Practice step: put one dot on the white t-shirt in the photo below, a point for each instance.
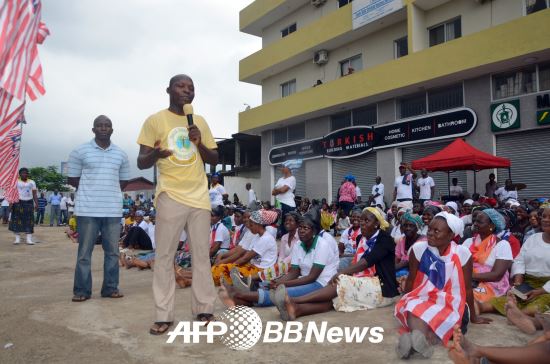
(357, 191)
(320, 254)
(502, 194)
(216, 195)
(456, 190)
(247, 240)
(63, 203)
(425, 185)
(266, 248)
(288, 197)
(534, 259)
(222, 235)
(25, 189)
(5, 202)
(183, 235)
(404, 190)
(70, 204)
(151, 233)
(272, 231)
(379, 188)
(332, 242)
(251, 196)
(501, 250)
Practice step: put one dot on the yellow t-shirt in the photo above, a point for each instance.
(181, 175)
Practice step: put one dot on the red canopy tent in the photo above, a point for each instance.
(460, 155)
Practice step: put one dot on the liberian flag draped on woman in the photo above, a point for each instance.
(438, 296)
(20, 74)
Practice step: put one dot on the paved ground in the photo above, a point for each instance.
(39, 319)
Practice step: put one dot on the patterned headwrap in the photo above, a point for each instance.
(379, 216)
(496, 219)
(414, 218)
(264, 217)
(455, 223)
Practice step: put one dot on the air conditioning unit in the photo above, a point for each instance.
(318, 3)
(320, 57)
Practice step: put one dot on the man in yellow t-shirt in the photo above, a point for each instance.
(182, 201)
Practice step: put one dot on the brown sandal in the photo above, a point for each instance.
(115, 294)
(160, 328)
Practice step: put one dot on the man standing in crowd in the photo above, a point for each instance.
(55, 202)
(5, 210)
(357, 193)
(70, 206)
(251, 195)
(42, 203)
(64, 209)
(456, 190)
(403, 185)
(99, 170)
(426, 185)
(179, 149)
(377, 197)
(507, 192)
(491, 186)
(284, 193)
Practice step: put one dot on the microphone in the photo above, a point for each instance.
(188, 111)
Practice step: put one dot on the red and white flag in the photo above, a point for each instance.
(10, 148)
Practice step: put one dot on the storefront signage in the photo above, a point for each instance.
(505, 115)
(366, 11)
(357, 140)
(543, 117)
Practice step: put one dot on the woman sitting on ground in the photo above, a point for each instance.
(439, 286)
(313, 263)
(137, 236)
(348, 240)
(368, 283)
(534, 225)
(492, 259)
(510, 219)
(240, 240)
(262, 253)
(532, 267)
(411, 224)
(343, 222)
(219, 235)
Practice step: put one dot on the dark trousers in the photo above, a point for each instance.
(138, 238)
(346, 206)
(40, 215)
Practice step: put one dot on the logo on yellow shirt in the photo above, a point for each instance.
(184, 152)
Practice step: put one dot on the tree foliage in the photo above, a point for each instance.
(48, 179)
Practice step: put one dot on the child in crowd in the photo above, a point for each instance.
(348, 240)
(219, 235)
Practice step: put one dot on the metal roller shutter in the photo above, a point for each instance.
(362, 167)
(300, 175)
(440, 178)
(528, 152)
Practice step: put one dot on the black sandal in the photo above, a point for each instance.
(161, 327)
(205, 317)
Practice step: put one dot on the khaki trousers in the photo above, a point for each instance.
(172, 217)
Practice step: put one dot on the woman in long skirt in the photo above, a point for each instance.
(22, 211)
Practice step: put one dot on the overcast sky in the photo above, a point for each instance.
(116, 57)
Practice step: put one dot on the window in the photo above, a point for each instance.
(343, 2)
(288, 88)
(350, 65)
(297, 132)
(412, 105)
(340, 121)
(445, 32)
(445, 98)
(290, 29)
(532, 6)
(365, 115)
(401, 47)
(289, 134)
(544, 77)
(514, 83)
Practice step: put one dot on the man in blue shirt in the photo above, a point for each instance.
(42, 203)
(55, 210)
(99, 170)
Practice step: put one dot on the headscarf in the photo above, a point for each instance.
(512, 203)
(454, 222)
(350, 177)
(453, 205)
(414, 218)
(509, 214)
(264, 217)
(379, 216)
(432, 203)
(433, 209)
(468, 202)
(496, 218)
(405, 205)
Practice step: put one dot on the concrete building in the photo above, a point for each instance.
(418, 73)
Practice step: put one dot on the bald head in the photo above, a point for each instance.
(177, 78)
(102, 119)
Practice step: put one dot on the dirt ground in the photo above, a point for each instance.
(39, 319)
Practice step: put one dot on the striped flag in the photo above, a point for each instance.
(10, 147)
(10, 120)
(19, 33)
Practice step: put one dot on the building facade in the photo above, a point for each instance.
(415, 73)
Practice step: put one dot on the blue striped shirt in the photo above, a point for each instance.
(42, 203)
(100, 171)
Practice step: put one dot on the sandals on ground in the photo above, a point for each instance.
(80, 298)
(115, 294)
(205, 317)
(160, 328)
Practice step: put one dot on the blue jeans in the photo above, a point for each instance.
(4, 213)
(297, 291)
(40, 216)
(63, 216)
(54, 214)
(88, 229)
